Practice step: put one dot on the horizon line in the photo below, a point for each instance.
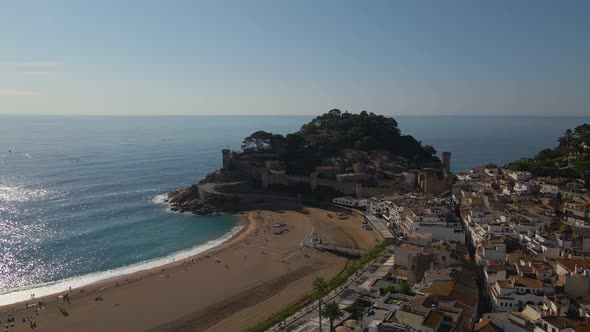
(288, 115)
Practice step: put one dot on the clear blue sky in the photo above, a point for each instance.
(295, 57)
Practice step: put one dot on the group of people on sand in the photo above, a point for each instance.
(31, 321)
(126, 281)
(191, 262)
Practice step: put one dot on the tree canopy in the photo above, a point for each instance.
(329, 134)
(571, 158)
(333, 312)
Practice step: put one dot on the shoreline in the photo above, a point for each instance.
(229, 287)
(76, 283)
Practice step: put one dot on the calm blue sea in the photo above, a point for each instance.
(79, 195)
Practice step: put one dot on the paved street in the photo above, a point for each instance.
(306, 320)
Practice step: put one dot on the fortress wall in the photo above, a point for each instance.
(370, 192)
(261, 175)
(433, 185)
(270, 179)
(298, 179)
(347, 188)
(282, 179)
(247, 169)
(331, 183)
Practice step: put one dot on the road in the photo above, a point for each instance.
(306, 320)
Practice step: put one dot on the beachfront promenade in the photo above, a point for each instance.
(378, 224)
(306, 320)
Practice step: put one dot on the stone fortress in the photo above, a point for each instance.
(252, 178)
(265, 169)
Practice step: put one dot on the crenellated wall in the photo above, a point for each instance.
(347, 188)
(432, 184)
(246, 169)
(428, 181)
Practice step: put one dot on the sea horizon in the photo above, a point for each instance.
(37, 115)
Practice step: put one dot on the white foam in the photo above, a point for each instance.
(81, 281)
(160, 199)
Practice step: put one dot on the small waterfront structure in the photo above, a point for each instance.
(350, 201)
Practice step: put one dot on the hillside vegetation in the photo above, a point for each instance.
(328, 135)
(571, 158)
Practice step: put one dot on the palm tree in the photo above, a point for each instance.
(333, 312)
(321, 288)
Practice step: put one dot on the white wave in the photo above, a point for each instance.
(163, 199)
(88, 279)
(28, 155)
(160, 199)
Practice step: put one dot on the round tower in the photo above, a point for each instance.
(446, 161)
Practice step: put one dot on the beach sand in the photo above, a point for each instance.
(228, 288)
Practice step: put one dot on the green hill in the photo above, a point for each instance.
(571, 158)
(328, 135)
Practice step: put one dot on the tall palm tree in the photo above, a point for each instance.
(320, 285)
(333, 312)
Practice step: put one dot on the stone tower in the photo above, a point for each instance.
(446, 161)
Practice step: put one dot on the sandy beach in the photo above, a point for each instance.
(228, 288)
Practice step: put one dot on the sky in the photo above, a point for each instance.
(301, 57)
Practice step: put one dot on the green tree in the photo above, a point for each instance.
(333, 312)
(329, 134)
(389, 289)
(571, 159)
(257, 140)
(430, 149)
(320, 286)
(405, 288)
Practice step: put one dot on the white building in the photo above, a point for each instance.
(375, 206)
(433, 222)
(549, 188)
(514, 294)
(519, 176)
(350, 201)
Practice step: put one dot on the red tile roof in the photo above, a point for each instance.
(528, 282)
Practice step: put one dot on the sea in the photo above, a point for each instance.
(82, 197)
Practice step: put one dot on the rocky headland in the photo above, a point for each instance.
(335, 154)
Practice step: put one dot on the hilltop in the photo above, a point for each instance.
(331, 134)
(337, 153)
